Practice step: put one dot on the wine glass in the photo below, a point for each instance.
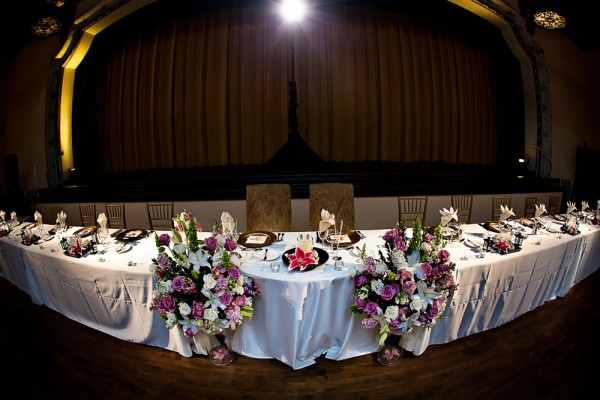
(41, 230)
(102, 237)
(323, 237)
(335, 231)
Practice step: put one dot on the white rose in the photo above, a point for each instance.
(376, 286)
(391, 312)
(381, 267)
(417, 303)
(209, 281)
(184, 309)
(211, 314)
(171, 320)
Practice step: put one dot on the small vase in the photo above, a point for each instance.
(221, 354)
(389, 355)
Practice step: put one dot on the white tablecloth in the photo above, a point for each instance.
(299, 316)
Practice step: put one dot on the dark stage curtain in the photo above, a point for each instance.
(163, 90)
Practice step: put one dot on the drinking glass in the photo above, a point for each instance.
(102, 237)
(323, 237)
(335, 231)
(41, 230)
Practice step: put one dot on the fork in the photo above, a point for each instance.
(361, 234)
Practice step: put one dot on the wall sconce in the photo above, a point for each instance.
(547, 14)
(549, 20)
(50, 17)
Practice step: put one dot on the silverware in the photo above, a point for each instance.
(265, 257)
(361, 234)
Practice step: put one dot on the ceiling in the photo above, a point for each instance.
(15, 30)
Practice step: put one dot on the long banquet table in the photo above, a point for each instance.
(298, 316)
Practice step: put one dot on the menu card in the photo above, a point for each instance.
(256, 239)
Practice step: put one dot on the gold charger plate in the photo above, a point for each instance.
(85, 231)
(493, 226)
(349, 238)
(255, 239)
(131, 234)
(527, 222)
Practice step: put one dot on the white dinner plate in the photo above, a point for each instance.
(272, 255)
(124, 248)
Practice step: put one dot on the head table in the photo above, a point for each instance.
(299, 315)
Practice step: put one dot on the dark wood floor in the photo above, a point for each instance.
(548, 353)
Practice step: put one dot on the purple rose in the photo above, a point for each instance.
(230, 244)
(371, 307)
(394, 325)
(189, 332)
(226, 298)
(234, 273)
(409, 287)
(165, 239)
(443, 255)
(197, 309)
(163, 261)
(178, 283)
(211, 243)
(169, 303)
(360, 280)
(427, 268)
(388, 292)
(360, 303)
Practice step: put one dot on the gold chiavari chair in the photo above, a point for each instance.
(160, 215)
(464, 206)
(530, 203)
(87, 212)
(498, 201)
(115, 213)
(410, 208)
(553, 206)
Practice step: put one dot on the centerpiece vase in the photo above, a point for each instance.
(221, 354)
(391, 353)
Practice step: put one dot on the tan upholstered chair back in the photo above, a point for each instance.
(337, 198)
(269, 207)
(553, 206)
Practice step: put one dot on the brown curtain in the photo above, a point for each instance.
(212, 89)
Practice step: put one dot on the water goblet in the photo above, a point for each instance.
(333, 238)
(102, 237)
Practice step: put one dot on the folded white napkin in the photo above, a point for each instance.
(2, 215)
(102, 220)
(571, 223)
(13, 216)
(505, 212)
(448, 215)
(584, 205)
(540, 210)
(327, 220)
(37, 217)
(571, 207)
(228, 223)
(61, 218)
